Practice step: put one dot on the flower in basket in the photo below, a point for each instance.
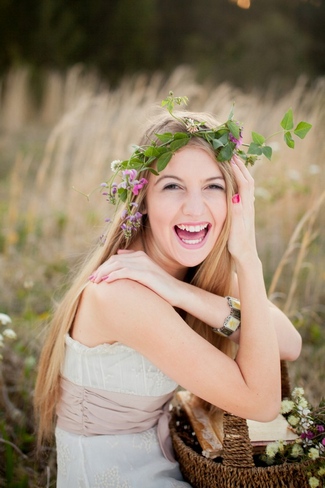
(309, 423)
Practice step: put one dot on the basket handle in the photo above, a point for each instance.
(237, 448)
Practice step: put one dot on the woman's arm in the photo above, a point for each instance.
(210, 308)
(128, 312)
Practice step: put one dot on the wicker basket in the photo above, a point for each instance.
(237, 468)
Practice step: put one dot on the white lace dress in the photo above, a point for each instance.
(132, 460)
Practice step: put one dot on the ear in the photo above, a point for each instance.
(143, 208)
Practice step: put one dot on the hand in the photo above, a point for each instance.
(137, 266)
(242, 232)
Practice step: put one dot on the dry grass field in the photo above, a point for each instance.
(57, 143)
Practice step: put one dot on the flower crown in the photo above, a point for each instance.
(225, 139)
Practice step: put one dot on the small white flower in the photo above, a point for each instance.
(116, 165)
(313, 453)
(298, 392)
(9, 334)
(313, 482)
(5, 319)
(293, 420)
(286, 406)
(302, 402)
(297, 450)
(272, 449)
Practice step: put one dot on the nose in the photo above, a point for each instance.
(193, 204)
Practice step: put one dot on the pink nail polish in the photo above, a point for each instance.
(104, 278)
(236, 198)
(91, 277)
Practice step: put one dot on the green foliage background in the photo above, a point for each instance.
(282, 38)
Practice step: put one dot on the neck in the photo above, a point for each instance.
(144, 242)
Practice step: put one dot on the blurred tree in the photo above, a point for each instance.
(116, 37)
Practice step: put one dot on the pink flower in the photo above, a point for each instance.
(233, 139)
(132, 173)
(138, 186)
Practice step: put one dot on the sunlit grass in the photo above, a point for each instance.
(68, 141)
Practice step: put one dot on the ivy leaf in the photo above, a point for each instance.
(217, 143)
(234, 128)
(226, 153)
(224, 139)
(288, 140)
(287, 121)
(175, 145)
(302, 129)
(165, 138)
(180, 135)
(151, 151)
(267, 151)
(163, 160)
(258, 138)
(255, 149)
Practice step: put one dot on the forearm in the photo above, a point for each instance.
(213, 309)
(258, 354)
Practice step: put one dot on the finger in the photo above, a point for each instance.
(125, 251)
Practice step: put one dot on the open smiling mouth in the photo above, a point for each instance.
(192, 234)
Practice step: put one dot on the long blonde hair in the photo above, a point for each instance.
(214, 274)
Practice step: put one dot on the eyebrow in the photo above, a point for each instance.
(180, 179)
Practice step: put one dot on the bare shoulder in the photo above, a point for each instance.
(107, 311)
(128, 312)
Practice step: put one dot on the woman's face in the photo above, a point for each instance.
(186, 207)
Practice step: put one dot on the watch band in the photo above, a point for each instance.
(232, 321)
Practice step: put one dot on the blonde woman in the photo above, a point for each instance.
(174, 296)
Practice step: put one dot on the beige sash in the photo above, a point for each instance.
(91, 411)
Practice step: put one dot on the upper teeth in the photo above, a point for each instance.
(192, 228)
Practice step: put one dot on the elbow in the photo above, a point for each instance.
(268, 408)
(293, 350)
(271, 412)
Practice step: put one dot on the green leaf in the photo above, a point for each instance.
(226, 153)
(153, 171)
(151, 151)
(302, 129)
(267, 151)
(288, 140)
(255, 149)
(122, 192)
(287, 121)
(231, 112)
(181, 135)
(175, 145)
(224, 139)
(166, 137)
(234, 128)
(258, 138)
(163, 160)
(217, 143)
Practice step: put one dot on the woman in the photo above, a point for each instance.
(158, 310)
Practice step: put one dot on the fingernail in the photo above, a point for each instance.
(91, 277)
(104, 278)
(236, 198)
